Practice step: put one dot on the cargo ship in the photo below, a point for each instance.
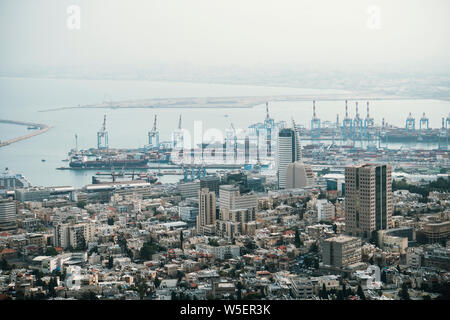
(120, 161)
(116, 177)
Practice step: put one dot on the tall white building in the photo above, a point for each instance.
(288, 152)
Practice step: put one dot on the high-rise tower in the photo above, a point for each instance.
(368, 199)
(288, 152)
(206, 210)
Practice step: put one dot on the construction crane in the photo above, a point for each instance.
(102, 136)
(154, 133)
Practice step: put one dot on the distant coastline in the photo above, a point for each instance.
(220, 102)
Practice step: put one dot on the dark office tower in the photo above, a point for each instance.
(288, 152)
(368, 199)
(210, 182)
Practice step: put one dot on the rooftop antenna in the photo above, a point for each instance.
(267, 110)
(179, 122)
(76, 142)
(346, 109)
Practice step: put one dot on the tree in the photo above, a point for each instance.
(157, 282)
(344, 292)
(111, 221)
(180, 275)
(181, 239)
(4, 265)
(51, 287)
(404, 294)
(250, 245)
(323, 292)
(142, 288)
(239, 290)
(383, 277)
(89, 295)
(110, 262)
(213, 242)
(81, 245)
(360, 293)
(81, 204)
(147, 250)
(51, 251)
(314, 248)
(297, 240)
(374, 238)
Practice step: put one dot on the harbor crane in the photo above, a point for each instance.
(410, 123)
(347, 124)
(178, 136)
(368, 122)
(424, 122)
(357, 126)
(102, 136)
(315, 123)
(153, 134)
(234, 143)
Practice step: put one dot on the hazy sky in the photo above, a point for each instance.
(322, 33)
